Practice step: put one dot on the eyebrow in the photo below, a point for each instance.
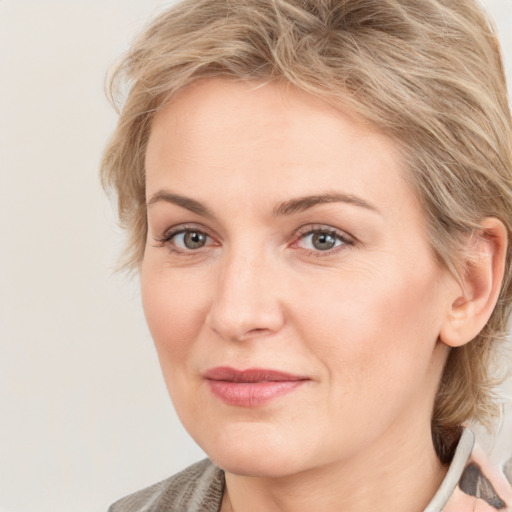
(185, 202)
(304, 203)
(290, 207)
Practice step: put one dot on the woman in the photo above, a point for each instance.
(318, 198)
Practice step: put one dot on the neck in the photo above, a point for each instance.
(400, 472)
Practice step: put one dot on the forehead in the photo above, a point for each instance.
(261, 114)
(221, 136)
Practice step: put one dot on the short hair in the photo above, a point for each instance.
(426, 72)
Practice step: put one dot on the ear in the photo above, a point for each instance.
(473, 302)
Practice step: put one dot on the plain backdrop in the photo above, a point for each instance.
(84, 415)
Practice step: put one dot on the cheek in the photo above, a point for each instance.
(373, 332)
(174, 308)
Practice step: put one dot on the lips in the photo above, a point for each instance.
(252, 387)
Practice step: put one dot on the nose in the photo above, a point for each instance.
(247, 301)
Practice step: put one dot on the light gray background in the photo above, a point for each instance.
(84, 415)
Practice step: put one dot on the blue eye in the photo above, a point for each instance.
(321, 240)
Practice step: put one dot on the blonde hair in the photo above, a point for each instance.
(427, 72)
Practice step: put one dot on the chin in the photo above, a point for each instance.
(255, 463)
(255, 450)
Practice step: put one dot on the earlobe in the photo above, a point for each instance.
(479, 286)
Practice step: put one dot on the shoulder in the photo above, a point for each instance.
(197, 488)
(472, 483)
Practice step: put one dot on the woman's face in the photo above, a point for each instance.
(284, 240)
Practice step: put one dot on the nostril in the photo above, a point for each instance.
(257, 331)
(254, 334)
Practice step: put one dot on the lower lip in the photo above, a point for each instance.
(252, 394)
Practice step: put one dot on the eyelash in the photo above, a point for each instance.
(166, 239)
(346, 241)
(344, 238)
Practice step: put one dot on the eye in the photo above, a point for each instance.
(190, 240)
(185, 239)
(322, 240)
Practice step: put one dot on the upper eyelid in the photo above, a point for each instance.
(322, 228)
(181, 228)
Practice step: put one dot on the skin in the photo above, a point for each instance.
(360, 321)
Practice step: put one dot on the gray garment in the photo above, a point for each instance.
(200, 487)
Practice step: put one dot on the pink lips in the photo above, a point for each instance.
(250, 388)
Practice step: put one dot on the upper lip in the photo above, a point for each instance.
(225, 373)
